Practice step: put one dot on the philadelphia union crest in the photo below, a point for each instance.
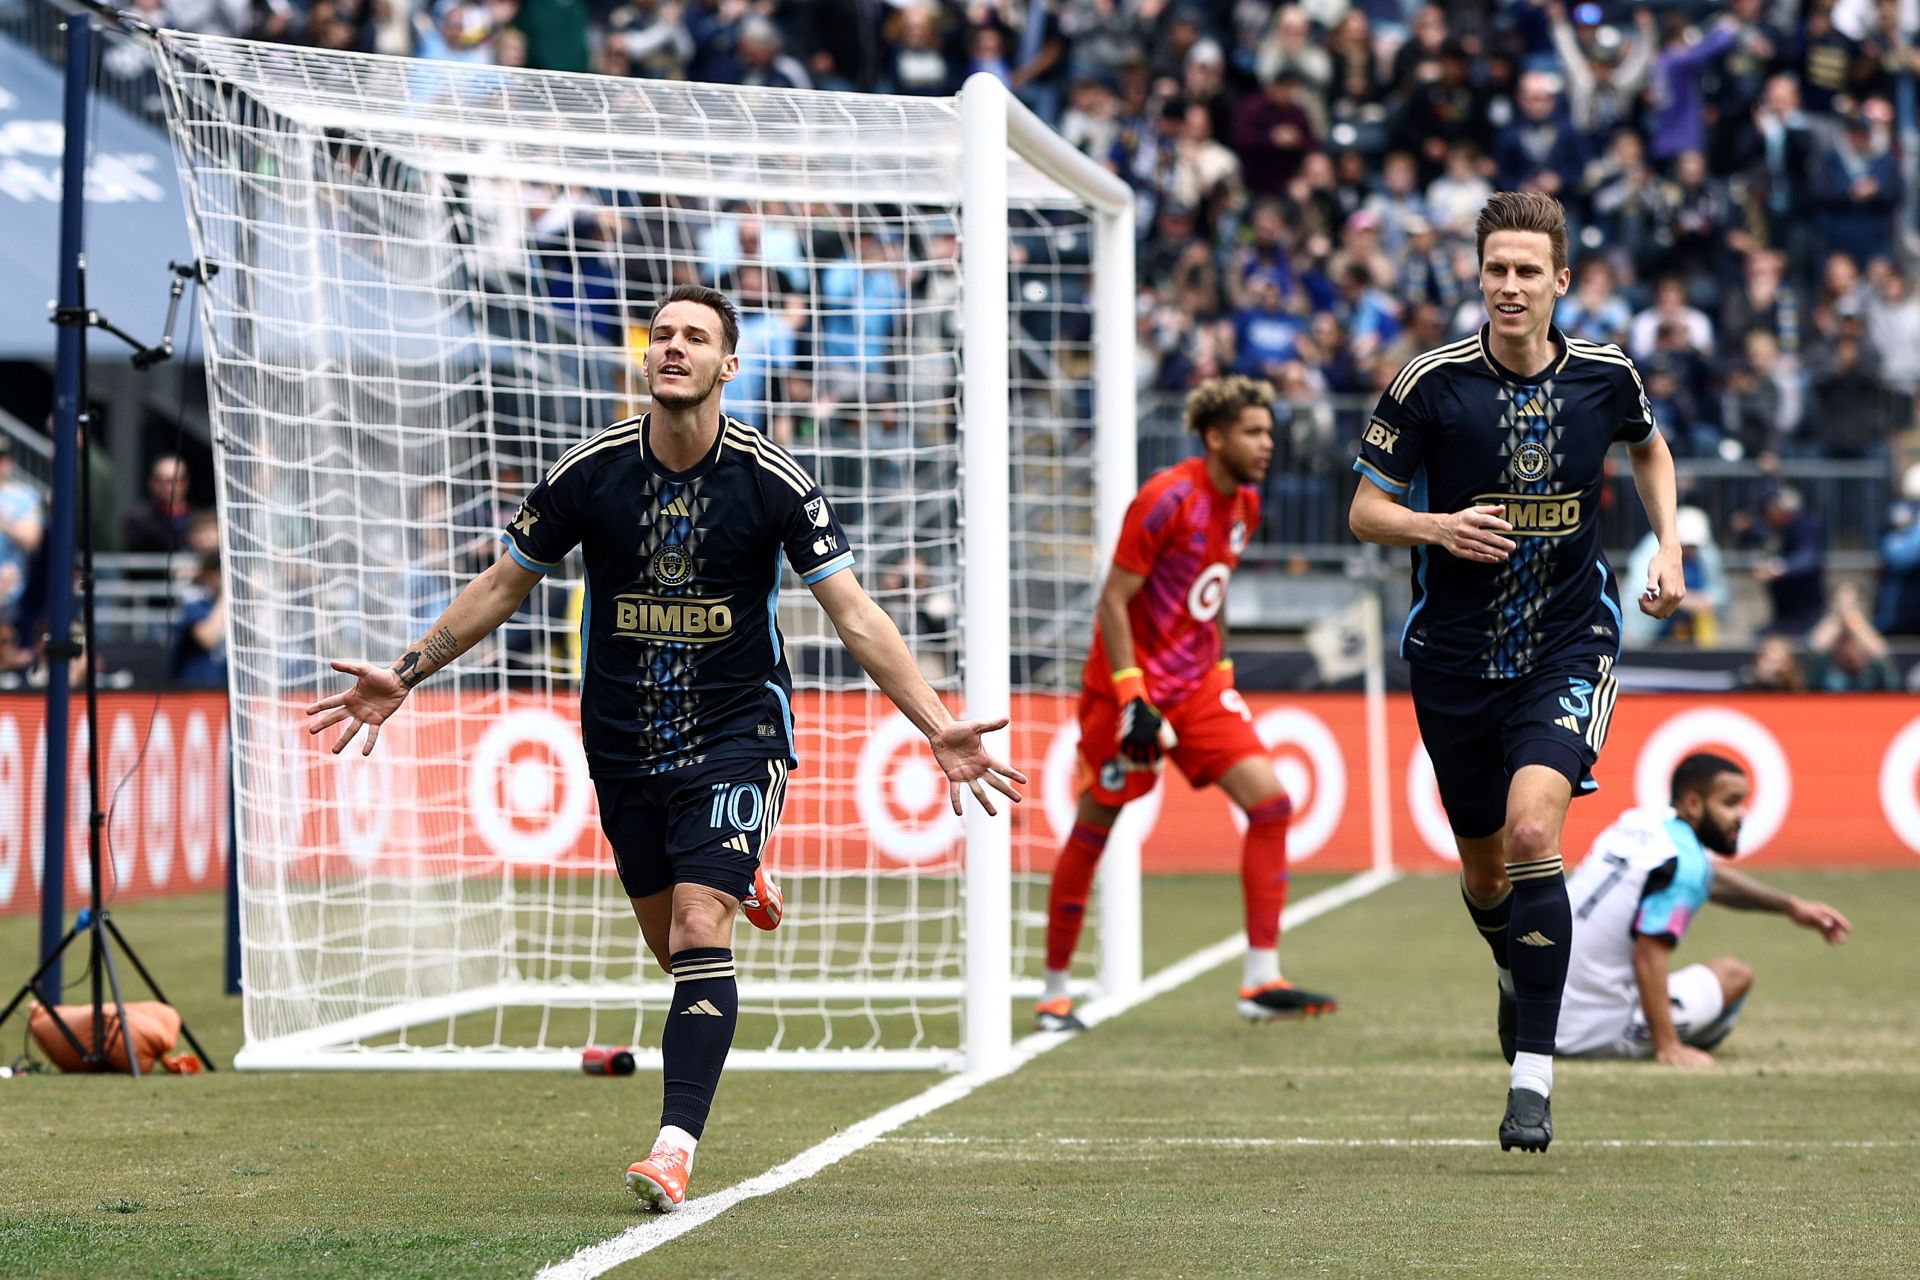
(672, 566)
(1237, 537)
(1112, 775)
(1530, 461)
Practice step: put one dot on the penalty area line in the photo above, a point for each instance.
(598, 1259)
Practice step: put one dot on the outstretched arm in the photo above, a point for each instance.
(378, 692)
(875, 644)
(1744, 893)
(1653, 477)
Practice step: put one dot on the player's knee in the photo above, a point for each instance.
(702, 917)
(1484, 884)
(1529, 841)
(1736, 977)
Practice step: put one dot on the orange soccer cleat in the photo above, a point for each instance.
(661, 1179)
(1056, 1015)
(765, 905)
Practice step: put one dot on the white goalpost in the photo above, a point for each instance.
(432, 279)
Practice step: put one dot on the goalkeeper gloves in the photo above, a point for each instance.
(1141, 725)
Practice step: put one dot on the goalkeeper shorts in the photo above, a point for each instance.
(1214, 728)
(703, 823)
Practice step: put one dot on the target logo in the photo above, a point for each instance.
(902, 795)
(1728, 733)
(1209, 592)
(1060, 792)
(1309, 765)
(1424, 807)
(527, 787)
(1898, 769)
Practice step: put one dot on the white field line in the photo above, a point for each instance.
(1732, 1144)
(598, 1259)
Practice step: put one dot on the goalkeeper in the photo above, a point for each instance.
(1158, 683)
(682, 516)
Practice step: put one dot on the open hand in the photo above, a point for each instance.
(375, 696)
(1818, 916)
(962, 755)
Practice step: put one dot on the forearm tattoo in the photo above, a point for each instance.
(439, 649)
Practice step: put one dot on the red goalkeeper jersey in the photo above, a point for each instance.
(1185, 538)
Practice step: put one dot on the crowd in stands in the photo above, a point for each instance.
(1307, 173)
(1306, 177)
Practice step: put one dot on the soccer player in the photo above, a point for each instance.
(1633, 897)
(1158, 682)
(1486, 457)
(682, 516)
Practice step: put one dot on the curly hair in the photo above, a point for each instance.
(1523, 211)
(1218, 402)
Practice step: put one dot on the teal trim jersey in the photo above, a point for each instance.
(683, 658)
(1455, 430)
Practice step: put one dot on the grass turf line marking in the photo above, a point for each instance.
(1737, 1144)
(598, 1259)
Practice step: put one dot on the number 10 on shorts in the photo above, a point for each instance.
(739, 805)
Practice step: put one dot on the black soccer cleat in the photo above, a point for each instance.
(1528, 1123)
(1280, 1000)
(1509, 1025)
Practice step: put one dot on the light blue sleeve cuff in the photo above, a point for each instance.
(1380, 477)
(524, 560)
(828, 569)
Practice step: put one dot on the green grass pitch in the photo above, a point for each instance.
(1174, 1141)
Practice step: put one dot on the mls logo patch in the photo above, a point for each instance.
(817, 512)
(1530, 461)
(1237, 537)
(672, 566)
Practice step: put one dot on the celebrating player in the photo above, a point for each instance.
(681, 515)
(1158, 682)
(1633, 897)
(1486, 456)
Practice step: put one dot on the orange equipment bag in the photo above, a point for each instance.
(156, 1027)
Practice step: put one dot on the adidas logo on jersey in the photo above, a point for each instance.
(1536, 939)
(678, 507)
(703, 1007)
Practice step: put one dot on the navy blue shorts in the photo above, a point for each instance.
(1479, 733)
(700, 824)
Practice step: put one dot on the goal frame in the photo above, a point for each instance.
(995, 127)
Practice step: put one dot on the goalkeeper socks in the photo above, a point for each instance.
(1491, 920)
(699, 1031)
(1539, 936)
(1263, 871)
(1067, 896)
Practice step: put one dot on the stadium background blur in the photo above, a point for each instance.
(1739, 179)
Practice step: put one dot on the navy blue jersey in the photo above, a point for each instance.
(1455, 430)
(683, 658)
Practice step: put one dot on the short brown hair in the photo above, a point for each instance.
(720, 303)
(1217, 402)
(1523, 211)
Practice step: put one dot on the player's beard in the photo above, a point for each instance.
(683, 399)
(1719, 838)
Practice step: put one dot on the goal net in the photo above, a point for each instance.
(433, 279)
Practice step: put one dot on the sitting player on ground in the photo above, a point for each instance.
(1158, 682)
(1633, 898)
(682, 517)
